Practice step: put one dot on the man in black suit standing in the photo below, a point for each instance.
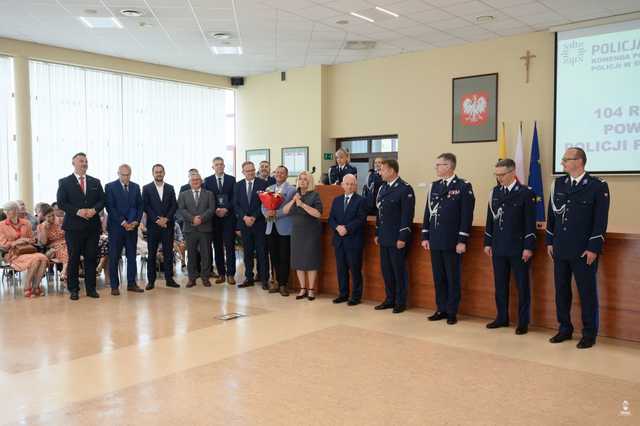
(160, 205)
(224, 223)
(347, 218)
(81, 198)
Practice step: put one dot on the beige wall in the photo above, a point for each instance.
(410, 95)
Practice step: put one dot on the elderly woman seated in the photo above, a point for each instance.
(16, 239)
(51, 235)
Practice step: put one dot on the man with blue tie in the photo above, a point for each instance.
(510, 239)
(347, 218)
(160, 205)
(446, 226)
(576, 226)
(251, 224)
(222, 186)
(396, 206)
(124, 209)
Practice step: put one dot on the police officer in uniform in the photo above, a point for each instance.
(509, 240)
(396, 205)
(370, 190)
(446, 226)
(342, 168)
(577, 222)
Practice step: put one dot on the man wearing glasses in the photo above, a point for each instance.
(448, 216)
(510, 238)
(578, 215)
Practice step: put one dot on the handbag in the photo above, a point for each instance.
(21, 249)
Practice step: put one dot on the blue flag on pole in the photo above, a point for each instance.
(535, 175)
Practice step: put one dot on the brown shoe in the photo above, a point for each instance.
(206, 282)
(231, 280)
(115, 292)
(191, 283)
(273, 287)
(219, 280)
(284, 291)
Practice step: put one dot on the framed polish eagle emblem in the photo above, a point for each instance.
(474, 115)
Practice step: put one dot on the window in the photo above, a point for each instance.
(118, 118)
(8, 150)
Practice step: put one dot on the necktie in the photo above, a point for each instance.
(82, 184)
(574, 183)
(219, 184)
(196, 196)
(126, 189)
(346, 203)
(249, 189)
(505, 190)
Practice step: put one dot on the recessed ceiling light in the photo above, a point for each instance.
(357, 15)
(131, 13)
(484, 19)
(91, 11)
(388, 12)
(227, 50)
(145, 24)
(100, 22)
(219, 35)
(342, 22)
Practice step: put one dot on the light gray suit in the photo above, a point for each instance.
(198, 237)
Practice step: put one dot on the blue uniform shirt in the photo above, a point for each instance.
(336, 174)
(396, 205)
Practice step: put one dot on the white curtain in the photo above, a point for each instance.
(8, 151)
(117, 119)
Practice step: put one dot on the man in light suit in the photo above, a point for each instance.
(124, 209)
(160, 205)
(196, 206)
(279, 233)
(347, 218)
(81, 198)
(251, 224)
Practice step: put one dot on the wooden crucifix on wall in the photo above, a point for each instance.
(527, 62)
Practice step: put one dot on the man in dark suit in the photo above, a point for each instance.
(447, 221)
(347, 218)
(197, 206)
(124, 209)
(180, 220)
(265, 173)
(576, 227)
(160, 205)
(81, 198)
(251, 224)
(396, 206)
(222, 186)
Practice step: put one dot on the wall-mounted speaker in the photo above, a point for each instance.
(237, 81)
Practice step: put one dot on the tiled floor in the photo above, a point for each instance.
(163, 358)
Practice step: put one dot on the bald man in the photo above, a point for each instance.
(347, 219)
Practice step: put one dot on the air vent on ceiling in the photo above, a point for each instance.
(359, 44)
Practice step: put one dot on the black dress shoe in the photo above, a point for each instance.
(247, 283)
(586, 342)
(353, 302)
(496, 324)
(150, 286)
(115, 292)
(452, 319)
(265, 286)
(74, 296)
(399, 309)
(522, 329)
(560, 337)
(340, 299)
(438, 316)
(93, 294)
(383, 306)
(135, 289)
(171, 283)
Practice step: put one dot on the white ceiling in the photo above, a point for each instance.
(284, 34)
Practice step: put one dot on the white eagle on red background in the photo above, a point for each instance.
(475, 108)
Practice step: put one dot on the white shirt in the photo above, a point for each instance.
(448, 180)
(578, 179)
(125, 187)
(393, 181)
(510, 187)
(221, 180)
(160, 189)
(85, 182)
(194, 193)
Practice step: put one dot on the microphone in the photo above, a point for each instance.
(313, 169)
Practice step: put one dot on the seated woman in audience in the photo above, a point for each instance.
(16, 236)
(305, 209)
(103, 250)
(51, 235)
(59, 213)
(39, 210)
(179, 245)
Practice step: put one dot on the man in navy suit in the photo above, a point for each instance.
(160, 205)
(82, 199)
(222, 185)
(124, 209)
(347, 218)
(251, 223)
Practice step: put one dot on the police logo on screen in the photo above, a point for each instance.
(572, 53)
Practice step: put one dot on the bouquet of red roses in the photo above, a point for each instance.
(271, 200)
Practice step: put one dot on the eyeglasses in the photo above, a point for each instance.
(441, 164)
(502, 174)
(565, 159)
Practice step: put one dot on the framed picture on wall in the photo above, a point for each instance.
(474, 116)
(296, 159)
(257, 155)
